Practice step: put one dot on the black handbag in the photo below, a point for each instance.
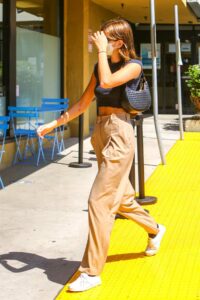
(136, 95)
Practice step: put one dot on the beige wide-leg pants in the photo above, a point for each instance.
(112, 192)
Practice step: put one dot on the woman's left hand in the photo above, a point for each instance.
(100, 40)
(44, 129)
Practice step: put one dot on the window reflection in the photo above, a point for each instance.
(2, 90)
(38, 51)
(38, 15)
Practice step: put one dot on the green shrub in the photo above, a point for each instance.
(194, 81)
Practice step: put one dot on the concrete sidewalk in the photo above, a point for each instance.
(43, 222)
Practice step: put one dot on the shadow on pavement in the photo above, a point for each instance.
(171, 126)
(175, 126)
(26, 167)
(125, 256)
(58, 270)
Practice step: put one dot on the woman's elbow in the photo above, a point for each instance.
(105, 84)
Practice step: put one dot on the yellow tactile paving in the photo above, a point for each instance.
(174, 273)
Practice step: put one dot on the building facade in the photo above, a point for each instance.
(46, 50)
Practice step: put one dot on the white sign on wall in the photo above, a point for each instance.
(145, 53)
(185, 47)
(90, 42)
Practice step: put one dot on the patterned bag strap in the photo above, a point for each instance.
(141, 80)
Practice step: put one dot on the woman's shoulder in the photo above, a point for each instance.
(134, 60)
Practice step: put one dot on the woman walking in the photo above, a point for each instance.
(113, 142)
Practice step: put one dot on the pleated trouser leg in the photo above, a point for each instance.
(112, 192)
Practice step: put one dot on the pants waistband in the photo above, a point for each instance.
(123, 116)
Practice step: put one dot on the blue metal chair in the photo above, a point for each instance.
(23, 120)
(4, 120)
(57, 106)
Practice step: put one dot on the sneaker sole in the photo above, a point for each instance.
(78, 291)
(151, 254)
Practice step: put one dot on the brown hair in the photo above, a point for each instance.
(119, 29)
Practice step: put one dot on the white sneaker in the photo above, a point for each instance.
(154, 243)
(84, 282)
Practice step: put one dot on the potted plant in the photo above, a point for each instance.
(194, 85)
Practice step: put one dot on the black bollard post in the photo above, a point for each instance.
(132, 171)
(80, 163)
(132, 174)
(142, 199)
(148, 200)
(92, 152)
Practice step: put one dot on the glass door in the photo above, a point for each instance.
(171, 78)
(38, 51)
(2, 90)
(186, 53)
(198, 52)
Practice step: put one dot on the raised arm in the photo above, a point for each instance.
(106, 77)
(76, 110)
(110, 80)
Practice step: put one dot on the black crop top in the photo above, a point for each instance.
(111, 96)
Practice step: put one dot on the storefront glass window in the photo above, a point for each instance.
(38, 51)
(2, 91)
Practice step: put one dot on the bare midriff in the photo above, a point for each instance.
(109, 110)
